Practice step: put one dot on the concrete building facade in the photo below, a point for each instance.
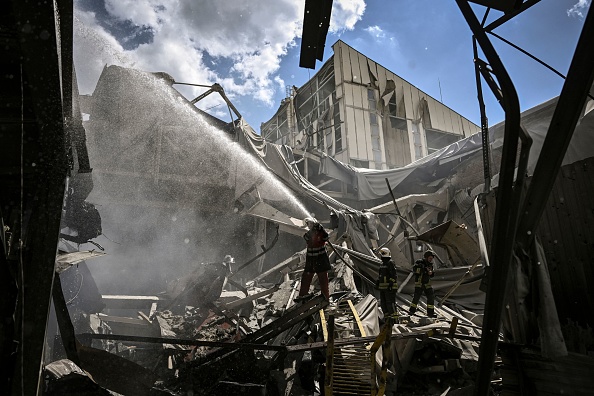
(364, 115)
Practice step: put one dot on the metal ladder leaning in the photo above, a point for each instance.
(351, 368)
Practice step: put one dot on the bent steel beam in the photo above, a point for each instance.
(506, 212)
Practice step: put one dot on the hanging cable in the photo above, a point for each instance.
(532, 57)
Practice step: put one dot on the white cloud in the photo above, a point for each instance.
(249, 37)
(576, 10)
(345, 14)
(376, 31)
(382, 37)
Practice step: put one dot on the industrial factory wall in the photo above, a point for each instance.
(369, 90)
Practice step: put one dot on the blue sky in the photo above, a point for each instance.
(251, 47)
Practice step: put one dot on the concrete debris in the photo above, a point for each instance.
(429, 355)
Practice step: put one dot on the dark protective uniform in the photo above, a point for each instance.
(387, 285)
(423, 271)
(316, 261)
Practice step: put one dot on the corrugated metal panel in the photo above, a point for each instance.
(364, 69)
(364, 128)
(432, 113)
(410, 146)
(436, 112)
(567, 237)
(373, 69)
(351, 132)
(415, 102)
(408, 100)
(526, 372)
(360, 96)
(382, 78)
(457, 124)
(399, 94)
(348, 95)
(346, 63)
(338, 76)
(355, 69)
(447, 115)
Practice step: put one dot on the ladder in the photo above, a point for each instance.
(351, 368)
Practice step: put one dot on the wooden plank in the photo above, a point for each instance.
(251, 297)
(324, 325)
(357, 319)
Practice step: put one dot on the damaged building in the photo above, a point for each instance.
(360, 113)
(149, 248)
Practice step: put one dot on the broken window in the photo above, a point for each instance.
(392, 106)
(359, 163)
(437, 140)
(371, 98)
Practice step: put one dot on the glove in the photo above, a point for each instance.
(392, 284)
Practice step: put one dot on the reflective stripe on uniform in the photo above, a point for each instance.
(316, 251)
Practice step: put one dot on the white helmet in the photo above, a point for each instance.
(309, 221)
(229, 259)
(385, 252)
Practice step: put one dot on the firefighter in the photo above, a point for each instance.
(316, 259)
(423, 270)
(387, 284)
(227, 261)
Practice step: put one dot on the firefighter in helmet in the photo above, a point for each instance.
(423, 270)
(387, 284)
(316, 259)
